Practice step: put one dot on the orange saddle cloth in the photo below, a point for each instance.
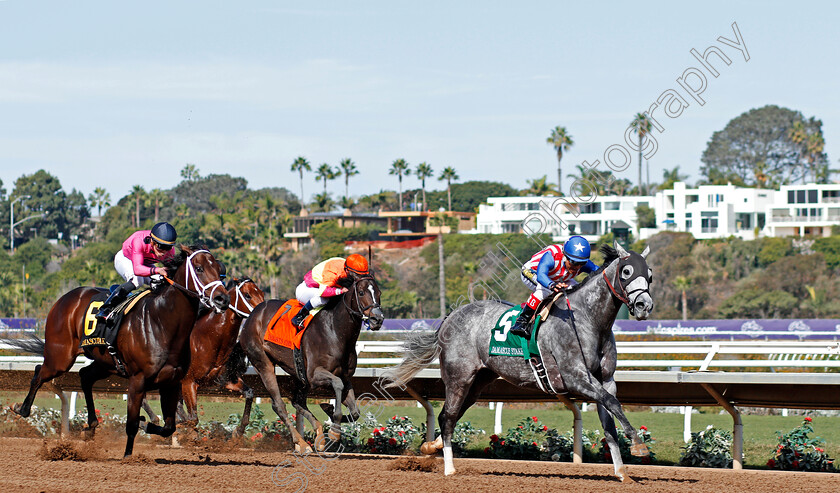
(280, 329)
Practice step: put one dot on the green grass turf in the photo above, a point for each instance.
(665, 428)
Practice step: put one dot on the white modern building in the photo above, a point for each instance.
(713, 211)
(708, 211)
(804, 210)
(559, 216)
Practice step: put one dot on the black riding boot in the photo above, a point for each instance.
(115, 298)
(298, 319)
(522, 326)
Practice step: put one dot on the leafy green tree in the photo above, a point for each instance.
(774, 249)
(645, 216)
(399, 167)
(469, 195)
(830, 248)
(765, 138)
(561, 141)
(195, 195)
(348, 169)
(448, 174)
(758, 303)
(52, 211)
(189, 172)
(99, 198)
(300, 165)
(641, 125)
(423, 171)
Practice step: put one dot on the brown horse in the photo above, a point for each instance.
(328, 347)
(152, 341)
(215, 358)
(211, 345)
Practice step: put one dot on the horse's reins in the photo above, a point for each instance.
(191, 274)
(360, 313)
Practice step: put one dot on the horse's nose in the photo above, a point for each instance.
(377, 317)
(221, 300)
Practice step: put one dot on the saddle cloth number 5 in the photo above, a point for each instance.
(504, 325)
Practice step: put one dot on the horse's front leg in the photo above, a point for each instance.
(323, 378)
(349, 400)
(611, 435)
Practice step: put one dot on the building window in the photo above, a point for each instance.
(612, 206)
(744, 221)
(690, 199)
(812, 196)
(510, 227)
(688, 224)
(708, 222)
(715, 199)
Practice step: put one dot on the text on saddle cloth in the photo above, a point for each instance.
(99, 334)
(280, 329)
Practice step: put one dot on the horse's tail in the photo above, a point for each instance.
(421, 349)
(236, 365)
(33, 344)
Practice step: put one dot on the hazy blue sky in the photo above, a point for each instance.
(114, 94)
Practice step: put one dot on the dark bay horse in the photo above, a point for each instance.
(215, 359)
(153, 340)
(329, 352)
(579, 339)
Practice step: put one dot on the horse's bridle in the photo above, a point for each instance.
(241, 297)
(625, 296)
(362, 310)
(200, 289)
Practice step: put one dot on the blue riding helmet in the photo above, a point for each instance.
(164, 234)
(577, 249)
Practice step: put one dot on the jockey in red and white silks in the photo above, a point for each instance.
(549, 270)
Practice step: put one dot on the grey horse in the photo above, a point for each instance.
(578, 336)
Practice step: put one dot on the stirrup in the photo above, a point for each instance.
(521, 331)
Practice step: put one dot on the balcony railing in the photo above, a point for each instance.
(801, 219)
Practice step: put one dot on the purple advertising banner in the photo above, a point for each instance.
(18, 324)
(777, 329)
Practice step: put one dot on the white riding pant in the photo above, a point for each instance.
(126, 269)
(306, 294)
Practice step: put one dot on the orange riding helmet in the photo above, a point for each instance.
(356, 264)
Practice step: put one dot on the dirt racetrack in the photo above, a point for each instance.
(26, 465)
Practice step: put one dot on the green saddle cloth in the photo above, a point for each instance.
(503, 343)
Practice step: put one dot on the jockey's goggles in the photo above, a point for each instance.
(163, 247)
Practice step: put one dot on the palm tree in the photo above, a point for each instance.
(326, 172)
(400, 168)
(300, 165)
(156, 197)
(669, 177)
(189, 172)
(348, 167)
(683, 283)
(99, 199)
(641, 125)
(423, 171)
(138, 193)
(448, 174)
(539, 188)
(562, 141)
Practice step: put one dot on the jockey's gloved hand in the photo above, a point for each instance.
(556, 286)
(156, 281)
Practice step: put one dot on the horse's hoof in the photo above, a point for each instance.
(16, 408)
(306, 451)
(639, 450)
(428, 448)
(449, 472)
(335, 436)
(319, 443)
(626, 479)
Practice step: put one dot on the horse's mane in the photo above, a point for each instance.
(610, 254)
(173, 263)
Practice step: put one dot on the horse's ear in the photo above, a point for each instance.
(184, 249)
(620, 249)
(646, 251)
